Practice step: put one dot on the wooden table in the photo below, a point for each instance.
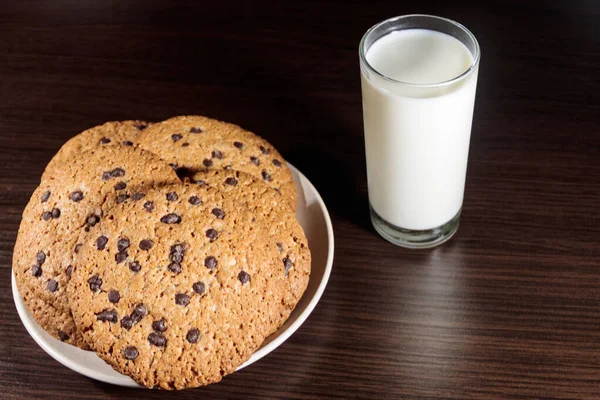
(509, 308)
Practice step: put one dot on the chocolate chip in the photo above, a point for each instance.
(266, 176)
(106, 175)
(130, 353)
(92, 220)
(231, 181)
(198, 182)
(149, 206)
(264, 150)
(175, 268)
(239, 145)
(63, 336)
(182, 299)
(176, 257)
(146, 244)
(174, 166)
(178, 248)
(123, 244)
(135, 266)
(212, 234)
(280, 247)
(141, 126)
(78, 247)
(217, 154)
(55, 213)
(199, 287)
(172, 196)
(176, 137)
(117, 172)
(177, 252)
(46, 196)
(196, 130)
(217, 212)
(121, 198)
(207, 162)
(276, 163)
(114, 296)
(244, 277)
(287, 265)
(127, 143)
(40, 258)
(227, 168)
(210, 262)
(193, 335)
(95, 283)
(69, 270)
(127, 322)
(139, 311)
(186, 144)
(46, 215)
(121, 257)
(101, 242)
(138, 196)
(159, 325)
(170, 219)
(195, 200)
(255, 160)
(120, 186)
(36, 271)
(104, 140)
(157, 339)
(107, 316)
(76, 196)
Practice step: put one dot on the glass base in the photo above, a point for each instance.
(413, 239)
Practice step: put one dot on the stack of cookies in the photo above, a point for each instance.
(172, 249)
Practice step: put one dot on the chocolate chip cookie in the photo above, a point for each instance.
(73, 199)
(120, 133)
(195, 143)
(179, 289)
(268, 209)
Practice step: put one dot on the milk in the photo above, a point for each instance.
(417, 138)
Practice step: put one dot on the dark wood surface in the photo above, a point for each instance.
(509, 308)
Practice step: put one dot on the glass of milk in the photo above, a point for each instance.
(418, 75)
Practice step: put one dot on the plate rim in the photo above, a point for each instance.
(81, 368)
(263, 351)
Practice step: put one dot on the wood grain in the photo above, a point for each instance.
(509, 308)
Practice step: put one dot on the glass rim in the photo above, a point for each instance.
(469, 71)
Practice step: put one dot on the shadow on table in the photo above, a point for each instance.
(342, 191)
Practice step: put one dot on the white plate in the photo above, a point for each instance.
(314, 218)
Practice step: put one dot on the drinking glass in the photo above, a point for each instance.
(417, 139)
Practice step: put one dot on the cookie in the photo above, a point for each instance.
(120, 133)
(268, 209)
(72, 200)
(189, 298)
(195, 143)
